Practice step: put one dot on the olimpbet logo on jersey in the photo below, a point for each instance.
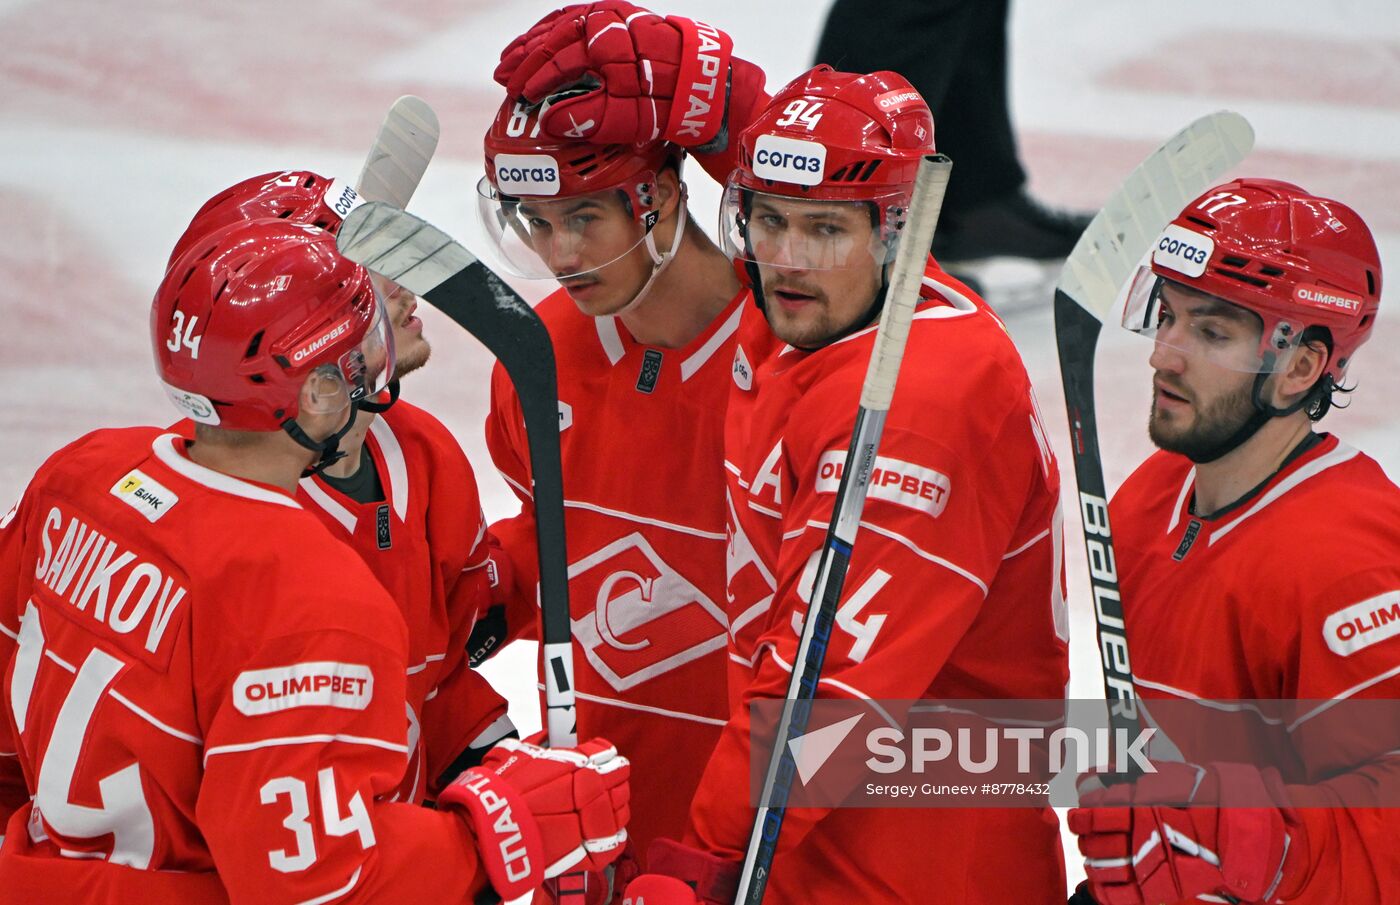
(322, 683)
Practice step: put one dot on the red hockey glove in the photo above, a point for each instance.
(1139, 850)
(602, 887)
(630, 76)
(681, 875)
(538, 813)
(500, 572)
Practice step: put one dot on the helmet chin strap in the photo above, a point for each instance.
(328, 449)
(379, 408)
(658, 259)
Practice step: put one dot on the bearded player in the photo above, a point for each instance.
(403, 495)
(205, 690)
(1258, 559)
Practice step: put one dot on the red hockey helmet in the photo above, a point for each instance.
(252, 310)
(297, 196)
(1295, 259)
(832, 136)
(524, 167)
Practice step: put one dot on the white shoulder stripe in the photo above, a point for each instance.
(916, 550)
(396, 465)
(703, 354)
(320, 738)
(164, 448)
(1181, 499)
(521, 488)
(328, 504)
(1343, 453)
(1228, 707)
(1028, 544)
(610, 338)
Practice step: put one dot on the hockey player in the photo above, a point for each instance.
(1258, 559)
(404, 497)
(955, 585)
(204, 689)
(644, 331)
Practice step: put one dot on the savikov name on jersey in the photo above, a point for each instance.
(88, 570)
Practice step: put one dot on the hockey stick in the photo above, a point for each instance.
(407, 138)
(429, 263)
(876, 394)
(1102, 261)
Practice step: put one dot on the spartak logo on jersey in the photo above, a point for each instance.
(646, 618)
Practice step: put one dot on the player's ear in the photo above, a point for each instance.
(1302, 372)
(323, 400)
(669, 191)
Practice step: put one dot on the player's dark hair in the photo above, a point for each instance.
(1326, 393)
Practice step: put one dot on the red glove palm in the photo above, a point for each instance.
(538, 813)
(1140, 850)
(624, 75)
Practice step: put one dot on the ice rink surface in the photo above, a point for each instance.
(117, 120)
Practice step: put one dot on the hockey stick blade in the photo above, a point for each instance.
(1102, 261)
(407, 138)
(877, 392)
(431, 264)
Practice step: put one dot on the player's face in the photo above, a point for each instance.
(594, 247)
(1197, 402)
(411, 349)
(814, 258)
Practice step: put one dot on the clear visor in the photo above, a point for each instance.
(802, 234)
(543, 238)
(1205, 326)
(359, 373)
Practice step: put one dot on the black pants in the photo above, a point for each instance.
(954, 53)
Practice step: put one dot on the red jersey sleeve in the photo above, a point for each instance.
(13, 791)
(506, 441)
(1350, 652)
(939, 517)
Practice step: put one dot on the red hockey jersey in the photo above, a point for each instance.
(641, 435)
(955, 590)
(1294, 594)
(426, 545)
(200, 678)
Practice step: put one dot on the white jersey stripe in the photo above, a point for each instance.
(328, 504)
(644, 708)
(842, 686)
(1374, 680)
(332, 896)
(164, 448)
(916, 550)
(1341, 454)
(610, 338)
(395, 464)
(304, 740)
(1181, 499)
(703, 354)
(521, 488)
(1028, 544)
(643, 520)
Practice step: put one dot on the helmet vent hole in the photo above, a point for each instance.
(1232, 261)
(1203, 223)
(1370, 282)
(1268, 271)
(1245, 278)
(308, 182)
(285, 214)
(254, 343)
(870, 170)
(219, 293)
(257, 378)
(1365, 322)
